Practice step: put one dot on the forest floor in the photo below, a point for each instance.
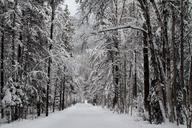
(86, 116)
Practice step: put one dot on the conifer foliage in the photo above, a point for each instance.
(35, 57)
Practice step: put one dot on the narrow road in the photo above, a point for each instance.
(85, 116)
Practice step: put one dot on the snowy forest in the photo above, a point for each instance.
(129, 56)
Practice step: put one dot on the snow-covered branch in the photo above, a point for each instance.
(121, 27)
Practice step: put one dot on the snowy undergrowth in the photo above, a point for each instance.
(87, 116)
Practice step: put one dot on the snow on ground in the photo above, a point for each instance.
(86, 116)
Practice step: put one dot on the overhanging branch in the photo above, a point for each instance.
(120, 27)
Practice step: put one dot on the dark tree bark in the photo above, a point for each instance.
(182, 10)
(116, 75)
(135, 78)
(2, 63)
(49, 61)
(60, 95)
(190, 85)
(125, 83)
(166, 58)
(174, 55)
(115, 57)
(2, 69)
(54, 99)
(63, 96)
(189, 119)
(38, 108)
(13, 38)
(19, 58)
(146, 74)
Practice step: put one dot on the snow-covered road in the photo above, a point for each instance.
(85, 116)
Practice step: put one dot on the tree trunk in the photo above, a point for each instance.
(167, 69)
(125, 83)
(115, 57)
(182, 49)
(146, 74)
(63, 97)
(13, 39)
(49, 61)
(38, 108)
(116, 77)
(19, 59)
(54, 99)
(60, 95)
(190, 84)
(135, 78)
(190, 98)
(2, 69)
(174, 82)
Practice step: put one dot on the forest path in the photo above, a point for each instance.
(84, 116)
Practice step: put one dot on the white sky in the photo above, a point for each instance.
(72, 6)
